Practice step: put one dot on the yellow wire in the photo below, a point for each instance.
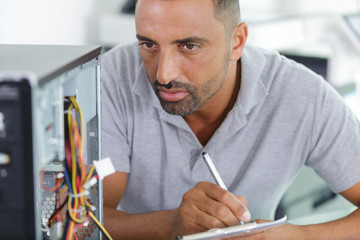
(73, 217)
(99, 225)
(88, 204)
(72, 224)
(90, 173)
(76, 200)
(77, 107)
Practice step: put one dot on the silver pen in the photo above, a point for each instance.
(215, 173)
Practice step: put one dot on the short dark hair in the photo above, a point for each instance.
(228, 13)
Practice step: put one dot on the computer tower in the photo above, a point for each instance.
(36, 82)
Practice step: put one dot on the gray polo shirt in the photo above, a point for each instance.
(285, 117)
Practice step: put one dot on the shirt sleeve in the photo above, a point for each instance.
(335, 140)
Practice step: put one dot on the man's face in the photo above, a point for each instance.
(184, 50)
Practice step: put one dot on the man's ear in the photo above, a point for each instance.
(239, 37)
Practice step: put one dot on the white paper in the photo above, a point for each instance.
(235, 231)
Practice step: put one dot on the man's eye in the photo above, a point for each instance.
(191, 46)
(147, 44)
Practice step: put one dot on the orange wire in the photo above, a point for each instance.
(57, 183)
(77, 140)
(75, 236)
(77, 143)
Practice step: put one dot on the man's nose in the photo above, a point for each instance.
(167, 67)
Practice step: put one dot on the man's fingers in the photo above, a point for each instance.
(236, 205)
(242, 199)
(206, 210)
(209, 221)
(246, 214)
(219, 211)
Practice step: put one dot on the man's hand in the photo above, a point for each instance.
(208, 206)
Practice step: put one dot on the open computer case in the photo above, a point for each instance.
(40, 86)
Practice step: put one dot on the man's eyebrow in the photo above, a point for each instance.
(191, 40)
(180, 41)
(143, 38)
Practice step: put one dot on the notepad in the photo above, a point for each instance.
(234, 231)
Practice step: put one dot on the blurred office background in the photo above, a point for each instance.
(313, 32)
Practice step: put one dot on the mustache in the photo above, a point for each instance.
(173, 84)
(167, 86)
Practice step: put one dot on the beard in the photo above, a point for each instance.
(185, 106)
(197, 95)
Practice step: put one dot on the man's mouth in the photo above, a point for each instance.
(172, 95)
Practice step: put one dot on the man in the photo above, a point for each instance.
(190, 86)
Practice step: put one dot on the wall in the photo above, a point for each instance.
(300, 6)
(52, 21)
(77, 21)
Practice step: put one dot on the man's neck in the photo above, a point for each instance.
(208, 118)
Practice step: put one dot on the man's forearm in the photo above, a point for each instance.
(344, 228)
(153, 225)
(157, 225)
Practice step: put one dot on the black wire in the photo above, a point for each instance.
(67, 103)
(66, 227)
(58, 210)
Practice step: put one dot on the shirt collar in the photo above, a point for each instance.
(252, 90)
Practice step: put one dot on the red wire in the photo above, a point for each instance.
(68, 155)
(78, 183)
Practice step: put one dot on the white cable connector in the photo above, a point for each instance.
(85, 224)
(56, 231)
(60, 175)
(104, 167)
(90, 183)
(93, 208)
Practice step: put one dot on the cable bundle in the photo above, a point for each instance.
(75, 181)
